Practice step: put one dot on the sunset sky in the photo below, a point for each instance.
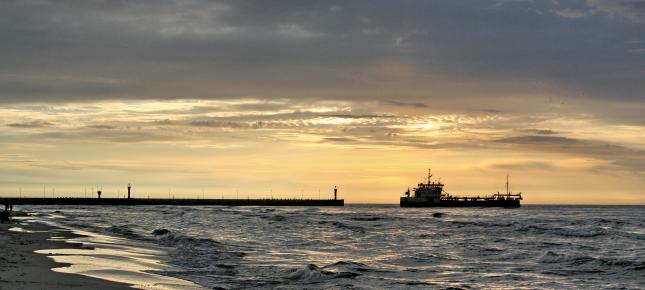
(290, 98)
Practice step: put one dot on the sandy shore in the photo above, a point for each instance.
(22, 268)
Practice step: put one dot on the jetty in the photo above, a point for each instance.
(173, 201)
(101, 200)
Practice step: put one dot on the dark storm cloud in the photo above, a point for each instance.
(87, 50)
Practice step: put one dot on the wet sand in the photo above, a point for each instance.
(22, 268)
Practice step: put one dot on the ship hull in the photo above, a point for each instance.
(410, 202)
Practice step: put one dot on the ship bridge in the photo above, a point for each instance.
(428, 192)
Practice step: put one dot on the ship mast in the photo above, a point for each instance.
(508, 193)
(429, 175)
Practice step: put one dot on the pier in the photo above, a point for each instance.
(130, 200)
(165, 201)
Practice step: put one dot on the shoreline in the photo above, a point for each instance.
(22, 268)
(41, 255)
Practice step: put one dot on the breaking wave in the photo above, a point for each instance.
(314, 274)
(194, 253)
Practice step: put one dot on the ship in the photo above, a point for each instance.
(432, 194)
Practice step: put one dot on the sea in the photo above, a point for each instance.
(365, 246)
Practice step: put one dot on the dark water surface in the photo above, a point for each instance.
(384, 247)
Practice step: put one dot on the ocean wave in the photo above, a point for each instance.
(420, 283)
(314, 274)
(160, 232)
(318, 243)
(633, 235)
(348, 266)
(124, 230)
(624, 263)
(584, 232)
(417, 259)
(533, 229)
(556, 258)
(277, 218)
(483, 224)
(193, 252)
(341, 225)
(609, 221)
(580, 232)
(366, 218)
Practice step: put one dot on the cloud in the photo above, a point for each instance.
(339, 139)
(540, 131)
(100, 126)
(295, 31)
(30, 124)
(118, 136)
(620, 156)
(405, 104)
(61, 51)
(529, 75)
(523, 166)
(350, 116)
(631, 10)
(571, 13)
(538, 139)
(44, 86)
(227, 124)
(18, 158)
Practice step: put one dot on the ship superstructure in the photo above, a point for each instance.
(432, 194)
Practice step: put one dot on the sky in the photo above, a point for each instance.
(256, 99)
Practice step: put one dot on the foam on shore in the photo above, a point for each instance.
(109, 258)
(22, 268)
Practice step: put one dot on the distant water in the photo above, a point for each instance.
(384, 247)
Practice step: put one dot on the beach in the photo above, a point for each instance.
(22, 268)
(40, 254)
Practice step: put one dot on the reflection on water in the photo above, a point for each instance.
(117, 259)
(19, 230)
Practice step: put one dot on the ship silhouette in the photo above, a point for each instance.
(432, 194)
